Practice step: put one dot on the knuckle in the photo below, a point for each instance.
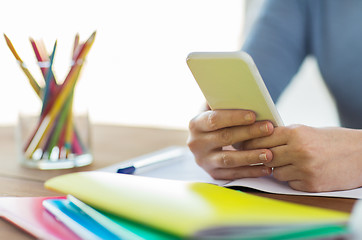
(192, 144)
(226, 160)
(197, 149)
(226, 137)
(298, 131)
(302, 146)
(212, 120)
(193, 124)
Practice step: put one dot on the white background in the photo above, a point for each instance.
(136, 72)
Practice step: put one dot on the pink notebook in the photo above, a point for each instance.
(28, 214)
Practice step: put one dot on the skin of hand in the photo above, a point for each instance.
(213, 132)
(314, 159)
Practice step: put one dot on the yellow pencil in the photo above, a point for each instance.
(31, 79)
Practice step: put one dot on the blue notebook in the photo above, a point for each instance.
(89, 223)
(80, 223)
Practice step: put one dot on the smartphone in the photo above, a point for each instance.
(231, 80)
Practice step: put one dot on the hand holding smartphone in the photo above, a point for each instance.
(231, 80)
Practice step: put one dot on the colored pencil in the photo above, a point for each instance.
(59, 126)
(55, 135)
(60, 96)
(31, 79)
(48, 79)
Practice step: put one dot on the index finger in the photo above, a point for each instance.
(217, 119)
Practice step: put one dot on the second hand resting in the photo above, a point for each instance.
(309, 159)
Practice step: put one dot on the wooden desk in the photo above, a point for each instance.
(111, 144)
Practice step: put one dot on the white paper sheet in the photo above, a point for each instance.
(184, 168)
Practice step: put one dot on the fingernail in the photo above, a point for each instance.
(263, 157)
(248, 117)
(264, 128)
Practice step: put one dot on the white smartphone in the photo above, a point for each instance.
(231, 80)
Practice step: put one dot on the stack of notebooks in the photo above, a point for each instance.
(100, 205)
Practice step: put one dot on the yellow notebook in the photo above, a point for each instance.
(187, 208)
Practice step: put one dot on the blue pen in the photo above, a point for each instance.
(153, 161)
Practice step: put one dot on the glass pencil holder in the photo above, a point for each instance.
(53, 149)
(56, 139)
